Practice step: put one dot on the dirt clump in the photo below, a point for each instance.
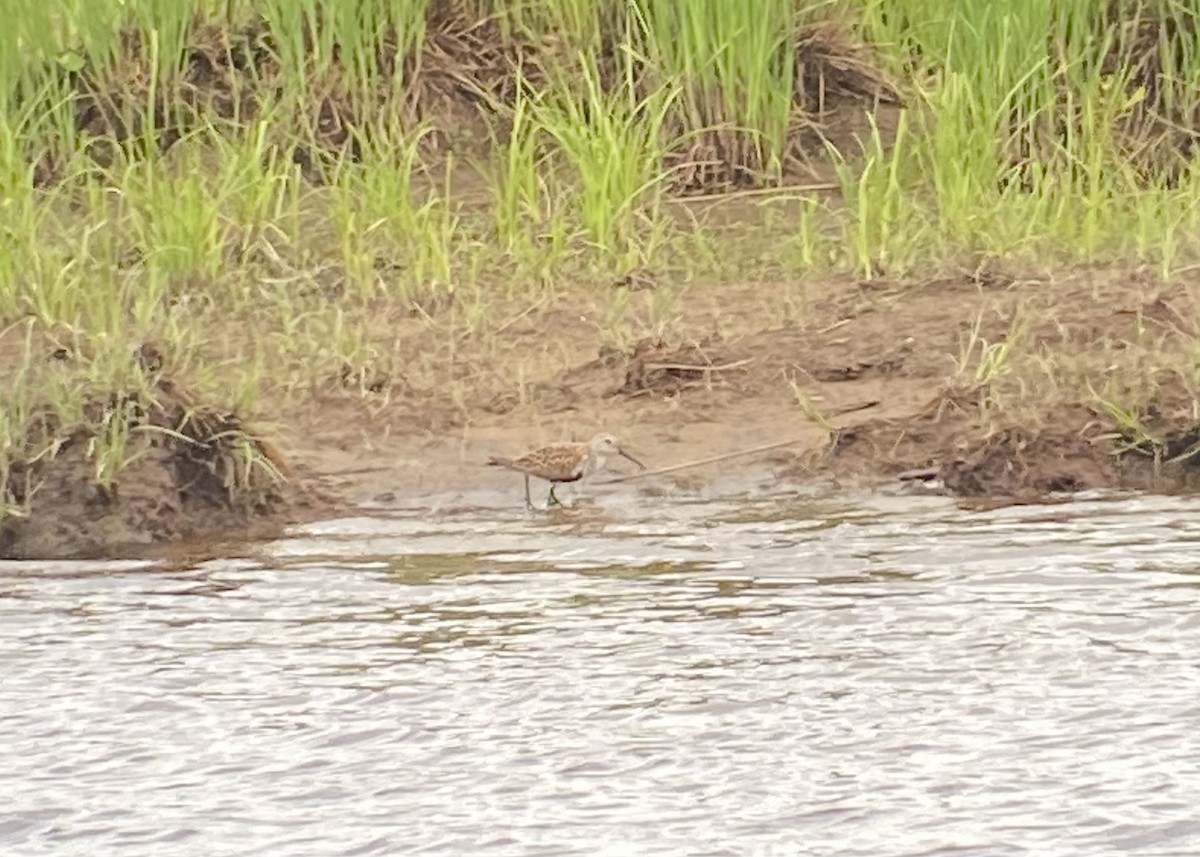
(1017, 461)
(944, 441)
(185, 472)
(655, 368)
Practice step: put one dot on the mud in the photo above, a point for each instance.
(876, 385)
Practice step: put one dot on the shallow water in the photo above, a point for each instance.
(768, 676)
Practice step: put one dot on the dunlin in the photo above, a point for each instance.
(564, 462)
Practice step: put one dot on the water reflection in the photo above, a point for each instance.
(850, 676)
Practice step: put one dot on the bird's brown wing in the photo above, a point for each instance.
(552, 463)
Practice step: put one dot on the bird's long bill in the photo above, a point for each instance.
(631, 458)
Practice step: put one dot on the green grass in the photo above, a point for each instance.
(734, 64)
(315, 188)
(1031, 134)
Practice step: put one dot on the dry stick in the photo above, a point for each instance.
(712, 460)
(778, 445)
(536, 305)
(850, 409)
(684, 367)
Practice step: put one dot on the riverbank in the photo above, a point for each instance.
(260, 283)
(1003, 384)
(1007, 385)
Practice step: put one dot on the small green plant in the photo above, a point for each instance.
(881, 225)
(613, 142)
(809, 406)
(389, 215)
(1134, 435)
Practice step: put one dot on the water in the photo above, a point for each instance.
(855, 676)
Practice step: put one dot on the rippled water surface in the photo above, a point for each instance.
(775, 676)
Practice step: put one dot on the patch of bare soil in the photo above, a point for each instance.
(1039, 441)
(876, 384)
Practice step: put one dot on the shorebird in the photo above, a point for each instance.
(564, 462)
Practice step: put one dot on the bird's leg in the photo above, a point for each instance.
(553, 500)
(528, 502)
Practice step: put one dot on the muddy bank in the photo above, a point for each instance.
(1013, 386)
(997, 380)
(139, 468)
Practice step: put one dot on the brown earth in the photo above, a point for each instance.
(869, 386)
